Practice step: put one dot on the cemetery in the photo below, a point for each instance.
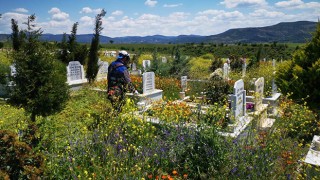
(234, 118)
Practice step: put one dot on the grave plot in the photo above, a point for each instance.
(260, 110)
(238, 120)
(150, 94)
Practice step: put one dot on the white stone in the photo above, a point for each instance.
(148, 79)
(184, 82)
(103, 70)
(238, 100)
(75, 73)
(313, 155)
(146, 64)
(225, 71)
(259, 89)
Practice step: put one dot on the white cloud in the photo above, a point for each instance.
(54, 10)
(297, 4)
(21, 10)
(150, 3)
(62, 16)
(5, 21)
(117, 13)
(58, 15)
(236, 3)
(172, 5)
(178, 15)
(290, 3)
(266, 14)
(87, 10)
(86, 21)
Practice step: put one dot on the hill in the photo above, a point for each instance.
(285, 32)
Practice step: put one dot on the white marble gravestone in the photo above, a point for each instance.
(164, 60)
(13, 70)
(150, 93)
(258, 89)
(146, 64)
(184, 83)
(75, 73)
(244, 67)
(226, 71)
(103, 70)
(313, 155)
(133, 67)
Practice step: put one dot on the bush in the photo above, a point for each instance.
(218, 90)
(298, 121)
(17, 160)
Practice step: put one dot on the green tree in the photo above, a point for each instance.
(92, 66)
(72, 42)
(40, 86)
(301, 75)
(16, 35)
(63, 52)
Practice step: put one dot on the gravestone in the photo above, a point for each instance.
(273, 100)
(75, 74)
(148, 82)
(164, 60)
(133, 67)
(260, 113)
(184, 83)
(258, 89)
(244, 67)
(146, 64)
(225, 71)
(238, 100)
(103, 70)
(150, 93)
(13, 70)
(239, 119)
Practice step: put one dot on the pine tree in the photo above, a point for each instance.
(93, 67)
(39, 84)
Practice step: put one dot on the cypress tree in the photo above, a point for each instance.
(93, 67)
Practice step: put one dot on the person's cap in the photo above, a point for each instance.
(123, 54)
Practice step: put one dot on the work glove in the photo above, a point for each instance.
(135, 92)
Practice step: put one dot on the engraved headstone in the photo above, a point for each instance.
(75, 73)
(146, 64)
(225, 71)
(184, 83)
(103, 69)
(148, 82)
(238, 100)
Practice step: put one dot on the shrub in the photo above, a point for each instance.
(298, 121)
(17, 159)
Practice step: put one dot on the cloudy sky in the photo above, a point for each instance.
(156, 17)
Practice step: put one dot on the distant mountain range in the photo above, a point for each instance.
(285, 32)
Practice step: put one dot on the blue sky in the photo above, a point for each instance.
(152, 17)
